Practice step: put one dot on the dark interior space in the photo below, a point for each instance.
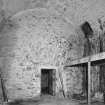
(47, 81)
(87, 30)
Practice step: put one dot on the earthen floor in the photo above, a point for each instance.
(50, 100)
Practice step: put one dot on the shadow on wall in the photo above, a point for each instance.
(6, 47)
(7, 38)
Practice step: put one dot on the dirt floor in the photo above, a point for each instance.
(50, 100)
(45, 100)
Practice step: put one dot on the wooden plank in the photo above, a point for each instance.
(89, 83)
(92, 58)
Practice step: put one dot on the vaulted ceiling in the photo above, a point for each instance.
(76, 11)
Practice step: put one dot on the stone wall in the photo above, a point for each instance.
(32, 39)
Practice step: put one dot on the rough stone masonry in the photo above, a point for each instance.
(43, 33)
(36, 38)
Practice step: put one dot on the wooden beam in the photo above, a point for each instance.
(89, 83)
(96, 57)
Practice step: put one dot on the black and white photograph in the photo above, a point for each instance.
(52, 52)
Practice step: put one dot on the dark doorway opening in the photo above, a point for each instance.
(48, 81)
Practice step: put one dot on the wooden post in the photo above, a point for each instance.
(89, 83)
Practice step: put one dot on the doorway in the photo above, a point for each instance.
(48, 81)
